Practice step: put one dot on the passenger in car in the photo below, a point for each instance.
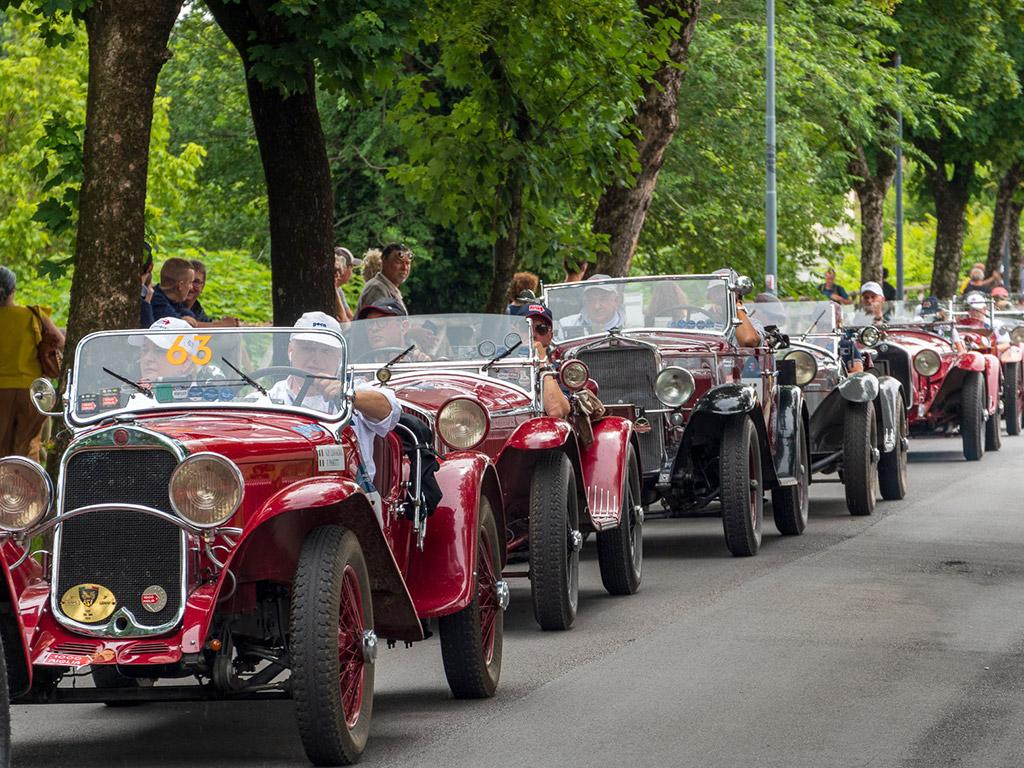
(555, 402)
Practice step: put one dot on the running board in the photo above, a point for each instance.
(154, 693)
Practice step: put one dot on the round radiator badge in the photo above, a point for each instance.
(88, 603)
(154, 598)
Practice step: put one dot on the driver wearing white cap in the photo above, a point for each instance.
(872, 300)
(601, 310)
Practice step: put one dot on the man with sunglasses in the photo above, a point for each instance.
(395, 265)
(555, 402)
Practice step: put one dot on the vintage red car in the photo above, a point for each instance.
(205, 526)
(718, 422)
(948, 381)
(1011, 321)
(475, 381)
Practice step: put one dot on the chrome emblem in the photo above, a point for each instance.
(154, 598)
(88, 603)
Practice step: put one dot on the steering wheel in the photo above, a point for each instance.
(374, 353)
(288, 370)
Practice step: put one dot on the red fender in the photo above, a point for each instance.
(993, 372)
(603, 463)
(1012, 354)
(442, 576)
(541, 433)
(269, 550)
(971, 361)
(24, 584)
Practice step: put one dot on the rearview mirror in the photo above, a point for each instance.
(44, 396)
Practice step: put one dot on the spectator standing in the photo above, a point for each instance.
(146, 278)
(517, 296)
(192, 300)
(833, 290)
(169, 297)
(21, 331)
(344, 264)
(371, 264)
(395, 265)
(888, 289)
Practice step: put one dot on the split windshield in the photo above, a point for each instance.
(138, 371)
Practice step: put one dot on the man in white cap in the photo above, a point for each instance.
(375, 409)
(600, 311)
(872, 300)
(156, 361)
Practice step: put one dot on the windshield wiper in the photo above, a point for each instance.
(814, 322)
(139, 387)
(504, 354)
(399, 356)
(247, 379)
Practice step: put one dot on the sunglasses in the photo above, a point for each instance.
(543, 328)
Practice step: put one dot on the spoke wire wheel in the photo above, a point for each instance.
(620, 550)
(472, 639)
(554, 541)
(860, 473)
(791, 504)
(892, 466)
(332, 678)
(742, 490)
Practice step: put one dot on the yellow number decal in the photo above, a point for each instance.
(177, 354)
(203, 353)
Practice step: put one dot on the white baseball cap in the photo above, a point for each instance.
(321, 322)
(607, 288)
(165, 340)
(341, 252)
(976, 300)
(872, 287)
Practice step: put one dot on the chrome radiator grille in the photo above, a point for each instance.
(125, 552)
(626, 375)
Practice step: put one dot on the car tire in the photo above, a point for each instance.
(972, 416)
(741, 487)
(1012, 399)
(994, 432)
(554, 541)
(471, 639)
(791, 504)
(5, 712)
(860, 475)
(892, 466)
(331, 605)
(620, 551)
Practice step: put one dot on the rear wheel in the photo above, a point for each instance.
(860, 477)
(790, 504)
(741, 492)
(972, 415)
(471, 640)
(892, 466)
(620, 551)
(332, 646)
(1012, 399)
(555, 541)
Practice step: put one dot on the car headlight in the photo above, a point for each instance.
(869, 335)
(806, 365)
(1017, 335)
(206, 489)
(674, 386)
(574, 375)
(927, 362)
(462, 423)
(25, 493)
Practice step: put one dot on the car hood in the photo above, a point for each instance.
(914, 341)
(433, 391)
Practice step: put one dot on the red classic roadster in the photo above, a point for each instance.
(475, 382)
(216, 519)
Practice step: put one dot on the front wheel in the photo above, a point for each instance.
(555, 541)
(1012, 399)
(471, 640)
(332, 646)
(972, 416)
(620, 551)
(5, 713)
(860, 476)
(791, 503)
(993, 429)
(892, 466)
(741, 493)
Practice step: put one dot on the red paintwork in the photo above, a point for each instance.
(542, 433)
(441, 576)
(604, 471)
(18, 583)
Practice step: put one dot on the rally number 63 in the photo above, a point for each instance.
(178, 353)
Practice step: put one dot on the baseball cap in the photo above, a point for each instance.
(929, 306)
(537, 310)
(975, 300)
(321, 322)
(604, 288)
(1000, 292)
(872, 287)
(341, 252)
(165, 340)
(384, 306)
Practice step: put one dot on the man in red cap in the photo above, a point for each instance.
(555, 402)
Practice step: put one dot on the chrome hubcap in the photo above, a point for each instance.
(369, 646)
(504, 594)
(575, 541)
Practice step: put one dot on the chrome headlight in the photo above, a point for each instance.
(806, 365)
(927, 362)
(1017, 335)
(574, 375)
(25, 493)
(869, 335)
(206, 489)
(462, 423)
(674, 386)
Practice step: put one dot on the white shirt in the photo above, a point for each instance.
(364, 428)
(580, 320)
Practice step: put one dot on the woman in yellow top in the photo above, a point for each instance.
(21, 425)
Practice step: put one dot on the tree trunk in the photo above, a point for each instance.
(623, 206)
(294, 155)
(506, 251)
(871, 189)
(951, 194)
(1016, 262)
(127, 48)
(1009, 183)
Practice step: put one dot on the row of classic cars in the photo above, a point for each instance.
(216, 530)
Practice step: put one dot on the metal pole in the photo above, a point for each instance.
(899, 197)
(771, 266)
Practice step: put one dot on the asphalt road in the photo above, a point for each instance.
(896, 640)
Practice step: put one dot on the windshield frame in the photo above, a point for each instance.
(336, 420)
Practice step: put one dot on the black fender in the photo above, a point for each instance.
(727, 400)
(890, 393)
(792, 413)
(859, 387)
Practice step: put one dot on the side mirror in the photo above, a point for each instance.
(744, 285)
(44, 397)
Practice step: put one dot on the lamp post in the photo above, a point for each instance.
(771, 265)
